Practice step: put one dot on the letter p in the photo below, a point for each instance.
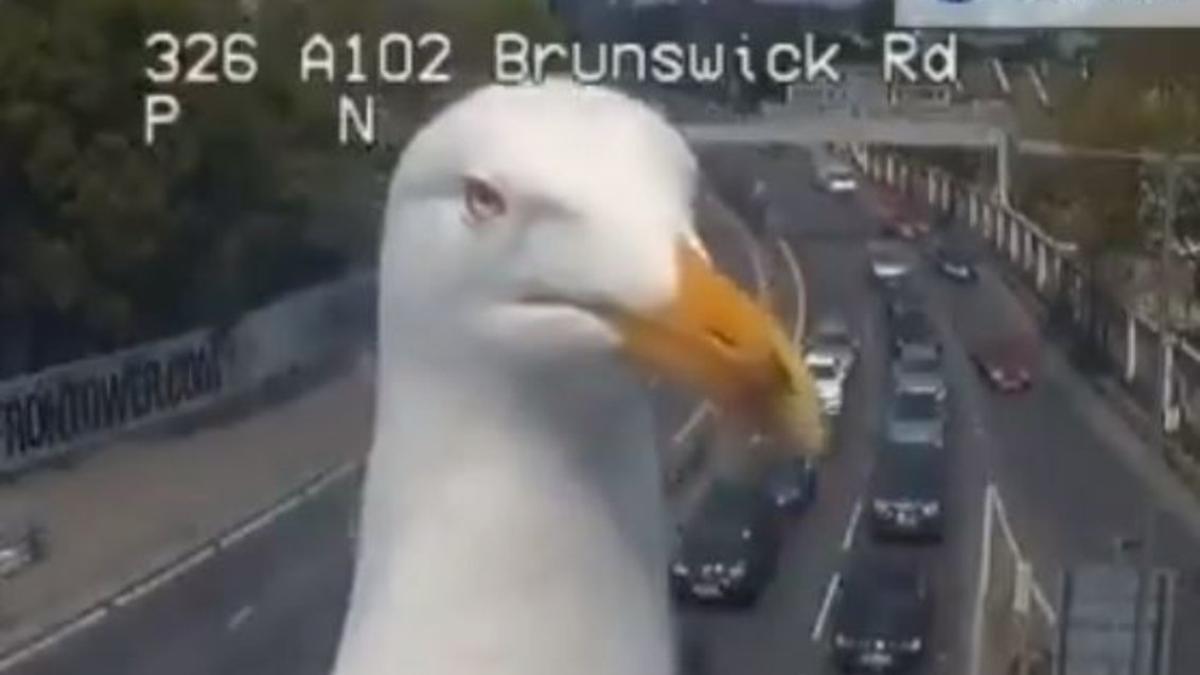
(161, 110)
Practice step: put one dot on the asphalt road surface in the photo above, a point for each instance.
(788, 632)
(1065, 464)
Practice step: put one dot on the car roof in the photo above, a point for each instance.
(829, 324)
(909, 472)
(728, 497)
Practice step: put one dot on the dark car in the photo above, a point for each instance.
(901, 298)
(904, 218)
(791, 484)
(1006, 363)
(907, 492)
(912, 329)
(728, 552)
(883, 617)
(956, 262)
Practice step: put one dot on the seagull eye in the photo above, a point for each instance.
(483, 200)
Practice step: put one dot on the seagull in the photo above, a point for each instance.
(539, 266)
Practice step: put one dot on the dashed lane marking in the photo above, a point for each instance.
(240, 617)
(852, 526)
(826, 605)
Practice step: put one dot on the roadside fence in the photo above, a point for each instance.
(1108, 335)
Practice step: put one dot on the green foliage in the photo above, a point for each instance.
(249, 196)
(1145, 95)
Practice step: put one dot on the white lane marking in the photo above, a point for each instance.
(692, 422)
(54, 637)
(153, 581)
(797, 284)
(826, 606)
(164, 576)
(239, 617)
(852, 526)
(266, 518)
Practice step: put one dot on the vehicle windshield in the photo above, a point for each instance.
(823, 371)
(915, 406)
(833, 336)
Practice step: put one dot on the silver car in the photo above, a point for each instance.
(918, 368)
(832, 339)
(916, 418)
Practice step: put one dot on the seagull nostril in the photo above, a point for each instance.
(721, 338)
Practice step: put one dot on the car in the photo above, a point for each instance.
(907, 492)
(883, 616)
(830, 379)
(22, 543)
(728, 552)
(905, 218)
(791, 484)
(837, 178)
(918, 367)
(1006, 363)
(889, 266)
(915, 418)
(832, 174)
(913, 330)
(955, 262)
(901, 297)
(832, 337)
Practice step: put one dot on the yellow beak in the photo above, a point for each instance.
(714, 337)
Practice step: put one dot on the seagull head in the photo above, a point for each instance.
(559, 216)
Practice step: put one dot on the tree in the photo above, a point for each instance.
(1145, 96)
(104, 242)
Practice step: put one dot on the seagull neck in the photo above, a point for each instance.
(506, 531)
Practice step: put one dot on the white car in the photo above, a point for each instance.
(889, 265)
(839, 179)
(830, 378)
(832, 337)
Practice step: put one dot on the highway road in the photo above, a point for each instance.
(1066, 465)
(788, 632)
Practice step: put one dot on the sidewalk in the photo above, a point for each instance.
(144, 501)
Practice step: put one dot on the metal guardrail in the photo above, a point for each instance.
(1128, 341)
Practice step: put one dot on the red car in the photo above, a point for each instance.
(1007, 363)
(901, 216)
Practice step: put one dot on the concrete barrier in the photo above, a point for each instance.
(80, 404)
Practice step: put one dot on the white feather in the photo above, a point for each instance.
(512, 520)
